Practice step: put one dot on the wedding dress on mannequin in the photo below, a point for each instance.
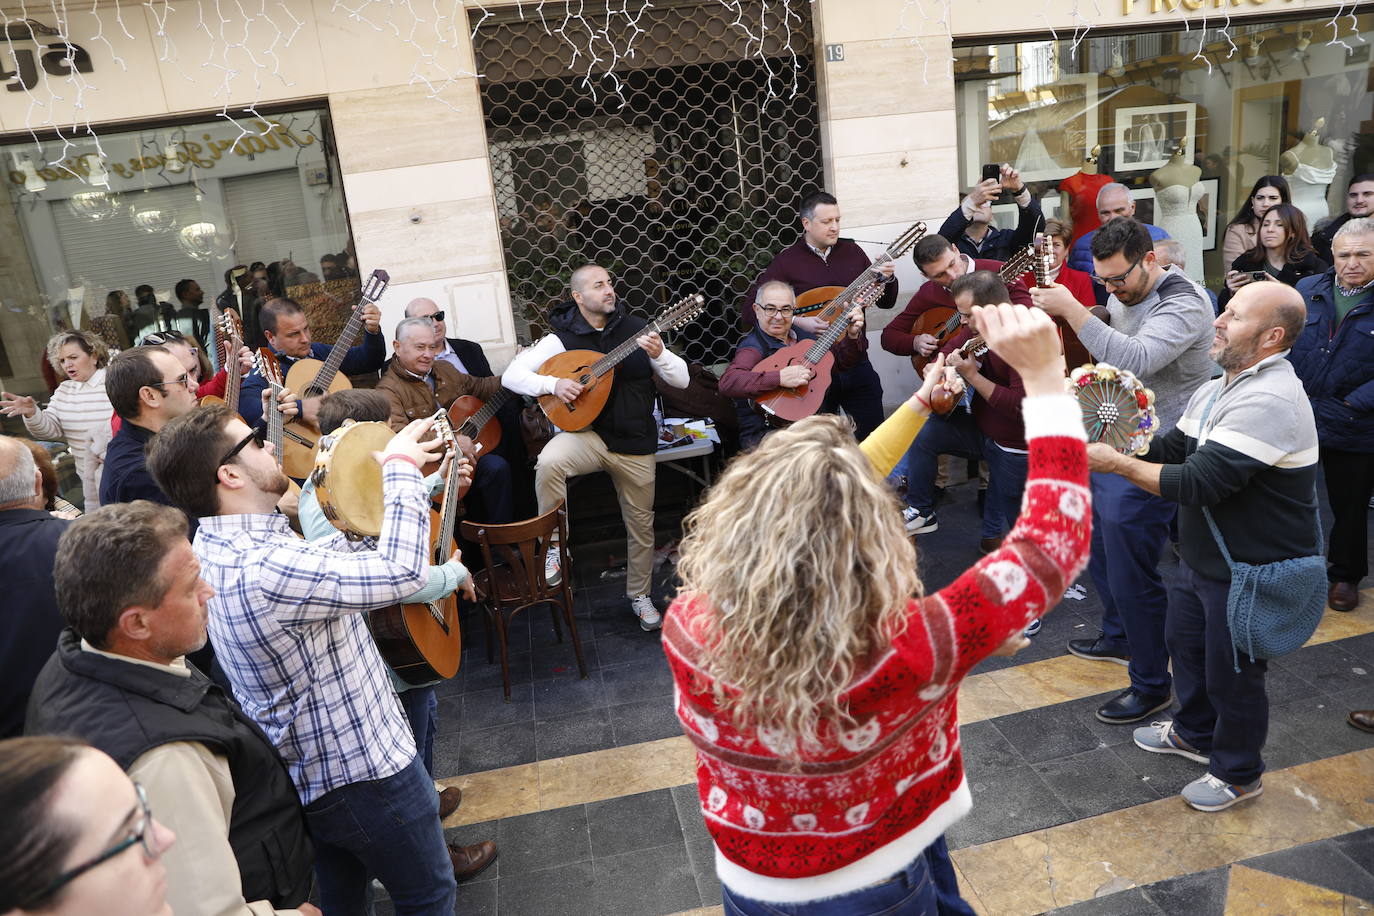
(1177, 195)
(1310, 167)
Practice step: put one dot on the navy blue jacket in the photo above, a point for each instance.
(998, 244)
(1336, 365)
(126, 476)
(30, 621)
(368, 356)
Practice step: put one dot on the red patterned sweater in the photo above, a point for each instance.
(861, 808)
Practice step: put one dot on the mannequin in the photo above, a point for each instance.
(1309, 167)
(1178, 192)
(1078, 196)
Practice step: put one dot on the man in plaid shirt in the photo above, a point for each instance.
(287, 626)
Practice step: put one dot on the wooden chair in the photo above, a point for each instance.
(514, 578)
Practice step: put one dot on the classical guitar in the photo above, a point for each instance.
(477, 420)
(422, 642)
(1075, 354)
(596, 371)
(833, 301)
(942, 400)
(230, 334)
(942, 322)
(310, 378)
(788, 405)
(265, 361)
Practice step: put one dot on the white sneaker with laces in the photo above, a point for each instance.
(649, 617)
(553, 570)
(1212, 794)
(916, 523)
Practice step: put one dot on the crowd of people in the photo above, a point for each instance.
(190, 663)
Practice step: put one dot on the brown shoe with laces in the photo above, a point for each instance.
(449, 800)
(469, 861)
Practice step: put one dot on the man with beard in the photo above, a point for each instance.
(1246, 450)
(1160, 330)
(287, 624)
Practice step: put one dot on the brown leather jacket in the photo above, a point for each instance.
(411, 398)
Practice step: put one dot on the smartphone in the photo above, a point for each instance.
(991, 171)
(1259, 276)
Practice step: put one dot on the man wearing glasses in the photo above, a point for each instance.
(134, 603)
(773, 309)
(1161, 330)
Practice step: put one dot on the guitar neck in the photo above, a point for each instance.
(276, 429)
(448, 519)
(233, 375)
(630, 345)
(325, 377)
(473, 424)
(827, 340)
(844, 301)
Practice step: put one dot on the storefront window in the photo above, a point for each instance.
(167, 211)
(1267, 99)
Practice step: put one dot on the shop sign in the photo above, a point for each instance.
(1129, 7)
(19, 66)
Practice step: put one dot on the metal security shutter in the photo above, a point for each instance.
(111, 254)
(267, 212)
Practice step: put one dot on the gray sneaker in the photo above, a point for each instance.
(1160, 738)
(1212, 794)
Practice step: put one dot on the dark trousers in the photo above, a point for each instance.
(1349, 483)
(491, 498)
(958, 434)
(1130, 527)
(388, 829)
(1222, 713)
(422, 709)
(860, 392)
(910, 892)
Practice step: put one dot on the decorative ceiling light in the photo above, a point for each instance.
(92, 205)
(147, 216)
(171, 155)
(33, 182)
(206, 240)
(95, 171)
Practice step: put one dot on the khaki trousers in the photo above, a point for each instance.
(570, 454)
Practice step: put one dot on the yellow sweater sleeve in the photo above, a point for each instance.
(886, 445)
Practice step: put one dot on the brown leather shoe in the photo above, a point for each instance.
(1363, 719)
(1343, 596)
(471, 860)
(988, 545)
(449, 800)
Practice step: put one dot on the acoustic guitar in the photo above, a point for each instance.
(1075, 354)
(943, 401)
(596, 371)
(230, 335)
(423, 642)
(782, 406)
(831, 302)
(265, 361)
(942, 322)
(310, 378)
(477, 420)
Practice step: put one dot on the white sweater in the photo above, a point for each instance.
(76, 411)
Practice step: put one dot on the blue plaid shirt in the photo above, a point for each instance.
(287, 628)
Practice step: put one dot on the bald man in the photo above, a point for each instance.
(28, 608)
(1246, 451)
(1113, 200)
(623, 439)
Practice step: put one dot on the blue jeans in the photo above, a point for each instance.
(1130, 527)
(958, 434)
(422, 709)
(1223, 713)
(388, 829)
(910, 892)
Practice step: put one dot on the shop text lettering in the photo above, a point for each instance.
(1169, 6)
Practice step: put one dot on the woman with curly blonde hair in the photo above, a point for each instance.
(78, 408)
(817, 681)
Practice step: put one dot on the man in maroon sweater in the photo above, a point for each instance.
(821, 258)
(986, 426)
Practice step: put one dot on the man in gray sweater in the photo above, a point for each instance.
(1160, 330)
(1246, 449)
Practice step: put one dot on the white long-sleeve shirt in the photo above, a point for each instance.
(522, 375)
(76, 410)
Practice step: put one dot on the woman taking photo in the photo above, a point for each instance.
(77, 838)
(1284, 253)
(1242, 233)
(78, 408)
(817, 681)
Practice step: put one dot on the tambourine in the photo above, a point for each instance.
(1117, 408)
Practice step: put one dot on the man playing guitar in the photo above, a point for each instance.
(821, 258)
(623, 439)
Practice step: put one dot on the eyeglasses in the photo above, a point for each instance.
(184, 380)
(142, 833)
(258, 435)
(436, 317)
(1119, 280)
(771, 310)
(158, 338)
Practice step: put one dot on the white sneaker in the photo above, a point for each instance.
(916, 523)
(553, 570)
(649, 617)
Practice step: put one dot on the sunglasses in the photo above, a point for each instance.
(437, 316)
(158, 338)
(258, 435)
(184, 380)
